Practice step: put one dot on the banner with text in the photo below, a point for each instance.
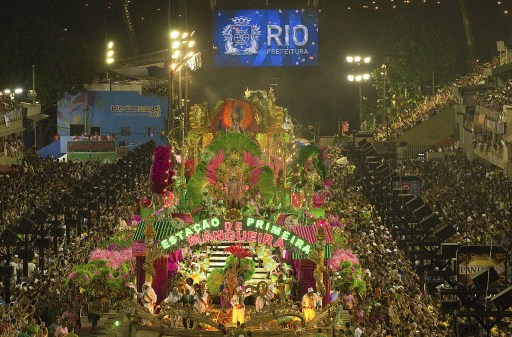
(473, 259)
(246, 230)
(265, 37)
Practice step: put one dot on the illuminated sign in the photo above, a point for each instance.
(247, 230)
(269, 37)
(473, 259)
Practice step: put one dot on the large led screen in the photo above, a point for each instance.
(268, 38)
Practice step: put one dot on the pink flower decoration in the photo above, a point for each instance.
(341, 255)
(85, 278)
(72, 275)
(114, 258)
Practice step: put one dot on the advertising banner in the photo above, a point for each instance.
(473, 259)
(125, 114)
(265, 37)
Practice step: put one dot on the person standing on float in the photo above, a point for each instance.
(262, 300)
(175, 299)
(200, 302)
(309, 303)
(148, 296)
(237, 302)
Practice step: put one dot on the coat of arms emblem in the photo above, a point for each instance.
(240, 37)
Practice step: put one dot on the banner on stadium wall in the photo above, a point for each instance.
(265, 37)
(474, 259)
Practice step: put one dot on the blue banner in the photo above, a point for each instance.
(265, 38)
(127, 114)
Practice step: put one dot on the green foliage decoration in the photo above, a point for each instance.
(245, 265)
(214, 281)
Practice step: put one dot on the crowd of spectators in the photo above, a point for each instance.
(10, 110)
(487, 142)
(431, 106)
(38, 181)
(95, 136)
(39, 301)
(394, 304)
(449, 145)
(156, 88)
(472, 196)
(495, 99)
(12, 147)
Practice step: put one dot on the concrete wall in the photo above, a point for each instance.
(428, 133)
(431, 131)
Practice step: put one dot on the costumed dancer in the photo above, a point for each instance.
(309, 304)
(280, 288)
(260, 250)
(290, 284)
(189, 286)
(204, 265)
(268, 261)
(262, 300)
(195, 272)
(175, 299)
(237, 302)
(93, 312)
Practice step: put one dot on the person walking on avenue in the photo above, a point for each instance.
(93, 311)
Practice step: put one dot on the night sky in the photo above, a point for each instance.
(319, 94)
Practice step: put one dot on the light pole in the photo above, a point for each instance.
(384, 73)
(359, 78)
(177, 59)
(109, 59)
(178, 43)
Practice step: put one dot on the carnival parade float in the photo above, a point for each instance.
(237, 230)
